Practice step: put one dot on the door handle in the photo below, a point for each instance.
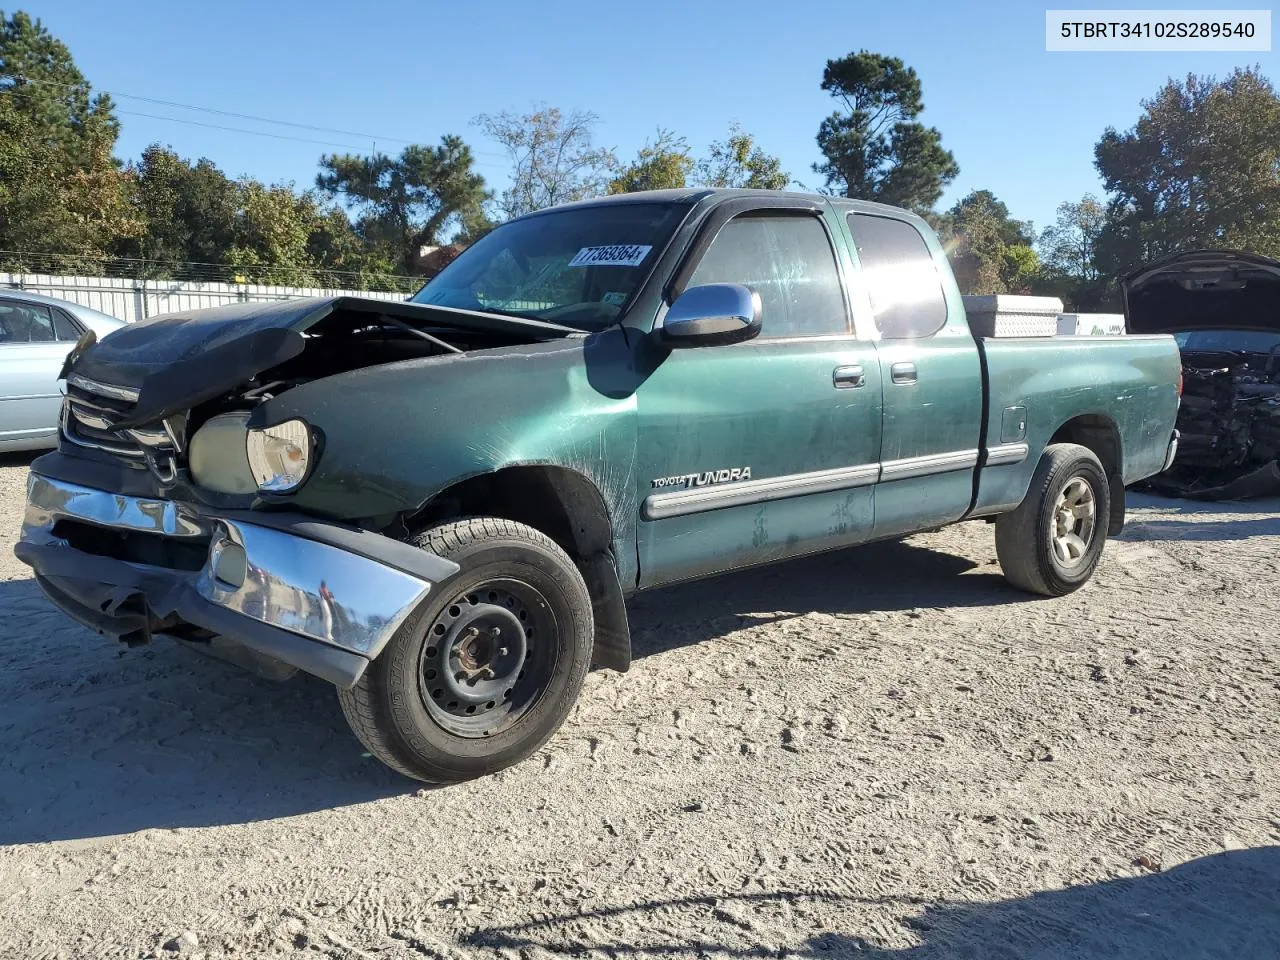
(904, 372)
(846, 378)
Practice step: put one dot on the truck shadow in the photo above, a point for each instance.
(1265, 505)
(20, 459)
(1138, 531)
(96, 739)
(1218, 906)
(879, 577)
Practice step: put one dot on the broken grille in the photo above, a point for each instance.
(89, 417)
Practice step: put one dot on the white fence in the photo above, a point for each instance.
(135, 299)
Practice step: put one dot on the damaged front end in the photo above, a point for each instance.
(160, 515)
(141, 398)
(1223, 308)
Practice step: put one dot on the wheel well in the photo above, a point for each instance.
(568, 508)
(564, 505)
(1099, 434)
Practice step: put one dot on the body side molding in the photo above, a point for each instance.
(678, 503)
(1006, 453)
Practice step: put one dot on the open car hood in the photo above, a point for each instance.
(1203, 290)
(177, 360)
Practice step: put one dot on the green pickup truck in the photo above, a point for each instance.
(441, 506)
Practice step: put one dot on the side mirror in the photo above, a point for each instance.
(711, 315)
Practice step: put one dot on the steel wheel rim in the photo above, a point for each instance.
(1073, 523)
(487, 658)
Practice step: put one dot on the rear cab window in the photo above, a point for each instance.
(900, 277)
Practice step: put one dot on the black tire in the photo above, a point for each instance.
(409, 722)
(1025, 538)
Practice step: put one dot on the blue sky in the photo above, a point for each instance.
(1021, 122)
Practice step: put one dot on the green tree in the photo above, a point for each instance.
(61, 191)
(664, 164)
(272, 228)
(553, 157)
(291, 238)
(42, 82)
(989, 251)
(1069, 246)
(1069, 251)
(409, 201)
(200, 224)
(1020, 269)
(875, 148)
(342, 259)
(1201, 168)
(189, 209)
(739, 162)
(57, 215)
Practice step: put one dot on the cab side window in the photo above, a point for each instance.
(901, 278)
(788, 260)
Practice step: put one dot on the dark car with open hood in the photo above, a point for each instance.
(1223, 308)
(441, 505)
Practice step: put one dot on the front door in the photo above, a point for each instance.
(766, 449)
(932, 378)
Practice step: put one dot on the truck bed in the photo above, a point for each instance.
(1041, 389)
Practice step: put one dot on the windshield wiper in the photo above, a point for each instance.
(409, 328)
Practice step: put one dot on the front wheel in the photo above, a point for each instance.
(1052, 543)
(486, 670)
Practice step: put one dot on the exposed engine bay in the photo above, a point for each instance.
(342, 342)
(1224, 310)
(177, 391)
(1230, 426)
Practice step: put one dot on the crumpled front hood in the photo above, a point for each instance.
(178, 360)
(1203, 290)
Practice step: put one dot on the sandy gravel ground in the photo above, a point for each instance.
(880, 753)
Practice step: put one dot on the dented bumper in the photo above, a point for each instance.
(320, 597)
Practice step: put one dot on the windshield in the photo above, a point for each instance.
(1227, 341)
(576, 267)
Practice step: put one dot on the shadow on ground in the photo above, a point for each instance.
(1208, 529)
(96, 739)
(1220, 906)
(20, 459)
(884, 577)
(1139, 500)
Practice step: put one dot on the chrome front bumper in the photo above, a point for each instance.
(274, 585)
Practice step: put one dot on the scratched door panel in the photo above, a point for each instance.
(773, 407)
(939, 415)
(931, 372)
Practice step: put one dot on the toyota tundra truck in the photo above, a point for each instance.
(442, 506)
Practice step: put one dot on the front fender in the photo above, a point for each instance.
(397, 434)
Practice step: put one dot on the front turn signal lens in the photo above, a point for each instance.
(279, 456)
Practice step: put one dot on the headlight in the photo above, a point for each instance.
(217, 457)
(279, 456)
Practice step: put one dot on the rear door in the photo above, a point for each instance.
(765, 449)
(931, 371)
(34, 340)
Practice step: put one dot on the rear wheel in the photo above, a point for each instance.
(1052, 543)
(485, 671)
